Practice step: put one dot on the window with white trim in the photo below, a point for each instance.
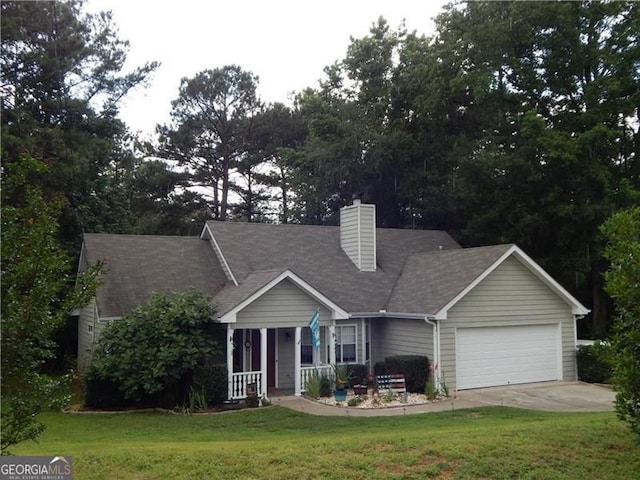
(346, 341)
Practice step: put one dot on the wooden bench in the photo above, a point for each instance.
(394, 382)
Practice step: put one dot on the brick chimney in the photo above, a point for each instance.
(358, 234)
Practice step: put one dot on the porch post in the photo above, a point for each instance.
(297, 363)
(229, 361)
(263, 360)
(363, 338)
(332, 344)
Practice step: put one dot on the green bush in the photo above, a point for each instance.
(326, 386)
(379, 368)
(592, 364)
(312, 385)
(415, 369)
(150, 355)
(102, 393)
(212, 379)
(357, 374)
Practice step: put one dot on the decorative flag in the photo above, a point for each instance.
(314, 325)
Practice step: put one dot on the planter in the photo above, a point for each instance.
(340, 395)
(359, 389)
(231, 405)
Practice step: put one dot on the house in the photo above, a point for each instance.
(487, 316)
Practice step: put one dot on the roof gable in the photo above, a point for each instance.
(433, 283)
(233, 299)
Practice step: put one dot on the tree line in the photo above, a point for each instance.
(514, 122)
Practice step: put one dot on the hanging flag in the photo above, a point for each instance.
(314, 325)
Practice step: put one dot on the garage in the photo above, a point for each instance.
(492, 356)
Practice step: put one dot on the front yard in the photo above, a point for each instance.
(276, 443)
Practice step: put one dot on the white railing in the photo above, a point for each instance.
(239, 383)
(307, 372)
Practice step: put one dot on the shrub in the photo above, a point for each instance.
(151, 354)
(592, 364)
(312, 385)
(212, 378)
(357, 374)
(325, 386)
(102, 393)
(379, 368)
(415, 369)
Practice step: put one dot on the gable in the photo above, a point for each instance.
(293, 299)
(510, 286)
(528, 269)
(285, 304)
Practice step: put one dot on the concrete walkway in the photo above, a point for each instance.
(547, 396)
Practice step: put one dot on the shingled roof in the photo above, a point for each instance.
(314, 254)
(430, 280)
(138, 265)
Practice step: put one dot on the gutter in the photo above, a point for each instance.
(430, 320)
(385, 314)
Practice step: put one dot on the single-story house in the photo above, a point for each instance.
(486, 316)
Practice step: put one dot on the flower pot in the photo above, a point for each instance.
(340, 395)
(359, 389)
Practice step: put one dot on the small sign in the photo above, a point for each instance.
(35, 468)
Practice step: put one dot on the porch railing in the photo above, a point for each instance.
(239, 383)
(306, 372)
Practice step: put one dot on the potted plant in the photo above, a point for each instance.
(341, 378)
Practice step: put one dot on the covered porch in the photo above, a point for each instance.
(276, 359)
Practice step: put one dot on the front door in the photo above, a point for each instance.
(271, 355)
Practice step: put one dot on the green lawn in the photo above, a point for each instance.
(276, 443)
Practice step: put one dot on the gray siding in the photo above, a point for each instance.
(358, 235)
(510, 295)
(349, 239)
(285, 305)
(90, 328)
(367, 238)
(394, 336)
(87, 335)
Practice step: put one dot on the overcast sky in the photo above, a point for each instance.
(286, 43)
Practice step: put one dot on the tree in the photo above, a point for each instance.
(276, 136)
(209, 128)
(149, 354)
(37, 296)
(622, 281)
(62, 79)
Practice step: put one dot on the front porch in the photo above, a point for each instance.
(278, 358)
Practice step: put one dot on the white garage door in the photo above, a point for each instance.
(491, 356)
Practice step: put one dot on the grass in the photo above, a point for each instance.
(276, 443)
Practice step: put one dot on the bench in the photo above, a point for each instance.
(394, 382)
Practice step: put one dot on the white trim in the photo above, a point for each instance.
(576, 307)
(336, 311)
(219, 253)
(355, 342)
(105, 319)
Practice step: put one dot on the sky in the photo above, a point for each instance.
(285, 43)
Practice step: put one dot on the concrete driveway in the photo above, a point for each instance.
(549, 396)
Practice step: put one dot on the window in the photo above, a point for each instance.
(346, 343)
(306, 347)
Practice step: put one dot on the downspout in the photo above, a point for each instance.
(436, 349)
